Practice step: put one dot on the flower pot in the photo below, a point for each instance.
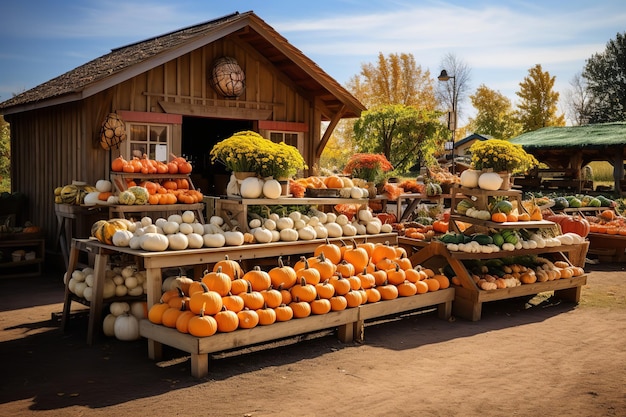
(506, 180)
(242, 175)
(285, 187)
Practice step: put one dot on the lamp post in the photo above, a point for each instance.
(451, 115)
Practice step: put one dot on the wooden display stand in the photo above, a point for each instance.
(609, 248)
(234, 210)
(22, 267)
(163, 210)
(350, 322)
(469, 297)
(155, 261)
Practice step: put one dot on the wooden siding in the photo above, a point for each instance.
(59, 144)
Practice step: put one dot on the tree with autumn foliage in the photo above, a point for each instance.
(395, 79)
(538, 106)
(404, 134)
(494, 114)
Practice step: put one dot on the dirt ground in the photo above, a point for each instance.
(526, 357)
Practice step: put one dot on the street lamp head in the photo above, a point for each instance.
(444, 76)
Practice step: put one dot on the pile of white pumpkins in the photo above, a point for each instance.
(118, 282)
(180, 232)
(123, 320)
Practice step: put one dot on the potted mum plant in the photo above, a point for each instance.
(238, 153)
(369, 167)
(501, 156)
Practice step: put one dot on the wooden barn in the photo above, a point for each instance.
(163, 89)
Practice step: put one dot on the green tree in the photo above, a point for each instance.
(605, 73)
(396, 79)
(404, 134)
(495, 116)
(539, 102)
(5, 156)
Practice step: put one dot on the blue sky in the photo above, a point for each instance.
(499, 40)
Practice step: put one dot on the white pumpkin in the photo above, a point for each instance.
(348, 229)
(320, 231)
(334, 230)
(490, 181)
(195, 241)
(263, 235)
(251, 187)
(117, 308)
(285, 223)
(108, 325)
(121, 238)
(272, 189)
(307, 233)
(185, 228)
(188, 216)
(214, 240)
(91, 199)
(104, 186)
(154, 242)
(288, 235)
(139, 310)
(175, 218)
(108, 290)
(126, 327)
(171, 227)
(469, 178)
(233, 238)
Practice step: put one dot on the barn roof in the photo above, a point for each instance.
(590, 136)
(128, 61)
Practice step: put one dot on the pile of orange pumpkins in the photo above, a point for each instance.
(334, 278)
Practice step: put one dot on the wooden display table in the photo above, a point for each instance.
(611, 248)
(155, 261)
(349, 322)
(234, 210)
(23, 267)
(469, 298)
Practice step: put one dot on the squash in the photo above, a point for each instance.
(178, 241)
(126, 327)
(121, 238)
(214, 240)
(127, 198)
(154, 242)
(289, 235)
(307, 233)
(272, 189)
(432, 189)
(263, 235)
(91, 199)
(490, 181)
(104, 186)
(469, 178)
(251, 187)
(233, 238)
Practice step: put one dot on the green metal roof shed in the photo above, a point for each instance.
(563, 147)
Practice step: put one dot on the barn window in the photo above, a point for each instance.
(290, 138)
(151, 139)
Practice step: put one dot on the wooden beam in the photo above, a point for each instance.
(187, 109)
(329, 131)
(283, 126)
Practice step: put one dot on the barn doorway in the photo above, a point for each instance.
(199, 135)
